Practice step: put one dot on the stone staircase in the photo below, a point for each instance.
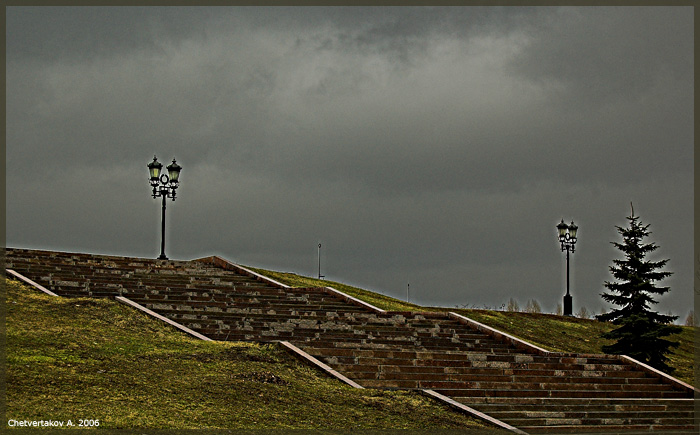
(580, 415)
(526, 388)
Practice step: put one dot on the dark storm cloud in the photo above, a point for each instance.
(608, 53)
(53, 33)
(436, 145)
(75, 34)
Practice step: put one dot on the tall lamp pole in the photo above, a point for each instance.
(567, 238)
(164, 186)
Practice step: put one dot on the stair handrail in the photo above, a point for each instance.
(26, 280)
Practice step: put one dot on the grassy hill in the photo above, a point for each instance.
(71, 359)
(551, 332)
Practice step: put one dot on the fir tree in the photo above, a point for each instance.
(640, 330)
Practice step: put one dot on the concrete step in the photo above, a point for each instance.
(409, 354)
(540, 393)
(517, 360)
(482, 376)
(583, 412)
(617, 420)
(356, 368)
(281, 309)
(627, 429)
(237, 299)
(485, 380)
(481, 361)
(553, 386)
(511, 388)
(564, 403)
(17, 258)
(405, 356)
(318, 316)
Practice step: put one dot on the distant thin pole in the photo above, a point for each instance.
(319, 262)
(408, 289)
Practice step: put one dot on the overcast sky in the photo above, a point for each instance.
(436, 146)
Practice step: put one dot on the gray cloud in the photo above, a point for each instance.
(438, 146)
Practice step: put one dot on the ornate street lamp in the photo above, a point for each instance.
(567, 238)
(164, 186)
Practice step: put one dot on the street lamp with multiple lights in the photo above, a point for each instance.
(567, 238)
(164, 186)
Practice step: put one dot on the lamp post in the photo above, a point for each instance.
(164, 186)
(567, 238)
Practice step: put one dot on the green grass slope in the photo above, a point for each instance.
(551, 332)
(72, 359)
